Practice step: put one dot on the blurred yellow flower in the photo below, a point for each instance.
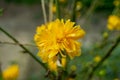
(97, 58)
(73, 68)
(58, 39)
(11, 73)
(54, 9)
(105, 34)
(113, 22)
(102, 72)
(116, 2)
(116, 79)
(78, 5)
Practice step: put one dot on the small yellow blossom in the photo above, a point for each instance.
(97, 59)
(116, 2)
(11, 73)
(113, 22)
(57, 39)
(73, 68)
(54, 9)
(105, 34)
(78, 6)
(102, 72)
(116, 79)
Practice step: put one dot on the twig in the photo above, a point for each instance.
(17, 44)
(73, 18)
(90, 10)
(58, 9)
(50, 10)
(24, 48)
(44, 11)
(0, 72)
(104, 58)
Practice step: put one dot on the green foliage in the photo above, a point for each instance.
(107, 71)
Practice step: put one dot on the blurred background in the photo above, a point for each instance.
(21, 17)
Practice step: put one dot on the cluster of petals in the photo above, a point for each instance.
(58, 39)
(11, 73)
(113, 22)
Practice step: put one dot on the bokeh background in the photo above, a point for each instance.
(21, 17)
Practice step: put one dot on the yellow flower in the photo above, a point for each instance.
(54, 9)
(105, 34)
(73, 68)
(116, 79)
(97, 59)
(58, 39)
(113, 22)
(11, 73)
(78, 5)
(116, 2)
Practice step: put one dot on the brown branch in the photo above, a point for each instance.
(0, 72)
(104, 58)
(73, 16)
(91, 8)
(11, 43)
(23, 47)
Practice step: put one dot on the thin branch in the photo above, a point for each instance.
(50, 10)
(90, 10)
(11, 43)
(44, 11)
(58, 9)
(0, 72)
(105, 57)
(24, 48)
(73, 17)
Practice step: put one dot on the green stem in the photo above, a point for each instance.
(24, 48)
(44, 11)
(104, 58)
(0, 72)
(50, 10)
(11, 43)
(73, 18)
(57, 9)
(91, 9)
